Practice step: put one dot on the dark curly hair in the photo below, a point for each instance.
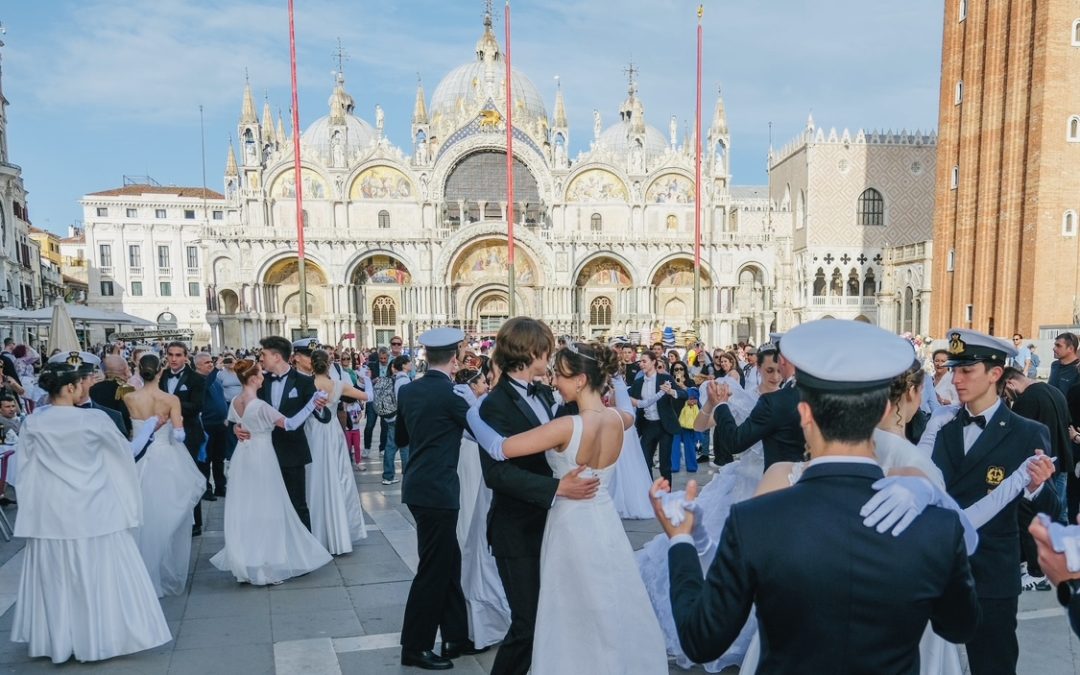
(597, 362)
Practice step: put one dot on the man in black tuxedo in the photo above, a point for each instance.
(523, 488)
(975, 451)
(430, 421)
(654, 394)
(181, 380)
(288, 391)
(832, 595)
(774, 420)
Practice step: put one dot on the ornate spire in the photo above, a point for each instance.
(560, 105)
(419, 115)
(810, 121)
(279, 134)
(230, 162)
(247, 109)
(630, 106)
(341, 104)
(487, 47)
(267, 122)
(719, 121)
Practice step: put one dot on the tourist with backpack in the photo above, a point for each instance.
(385, 406)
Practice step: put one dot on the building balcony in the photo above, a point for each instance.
(842, 301)
(194, 272)
(135, 271)
(164, 271)
(106, 270)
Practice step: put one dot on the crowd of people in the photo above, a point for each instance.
(926, 489)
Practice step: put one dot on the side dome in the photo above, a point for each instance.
(359, 134)
(617, 140)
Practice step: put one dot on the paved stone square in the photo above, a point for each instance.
(345, 617)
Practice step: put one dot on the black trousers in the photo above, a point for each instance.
(217, 447)
(1072, 492)
(435, 597)
(521, 581)
(653, 438)
(994, 650)
(296, 485)
(369, 427)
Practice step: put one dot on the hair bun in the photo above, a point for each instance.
(245, 369)
(607, 358)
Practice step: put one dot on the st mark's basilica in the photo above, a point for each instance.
(399, 239)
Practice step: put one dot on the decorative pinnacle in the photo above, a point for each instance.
(341, 55)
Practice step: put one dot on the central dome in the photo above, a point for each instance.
(617, 139)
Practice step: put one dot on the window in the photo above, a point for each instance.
(1074, 129)
(102, 211)
(163, 257)
(193, 289)
(159, 213)
(132, 213)
(136, 289)
(384, 311)
(954, 181)
(969, 313)
(600, 311)
(962, 10)
(165, 288)
(106, 288)
(134, 256)
(105, 256)
(871, 208)
(959, 92)
(218, 215)
(384, 220)
(950, 262)
(192, 257)
(1076, 33)
(189, 214)
(1068, 223)
(596, 222)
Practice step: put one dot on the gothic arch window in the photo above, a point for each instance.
(596, 222)
(819, 283)
(869, 285)
(954, 180)
(384, 311)
(600, 312)
(907, 315)
(1074, 129)
(959, 92)
(672, 222)
(853, 285)
(962, 10)
(871, 208)
(1076, 33)
(800, 211)
(1068, 223)
(384, 220)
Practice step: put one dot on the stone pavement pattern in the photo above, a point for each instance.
(345, 617)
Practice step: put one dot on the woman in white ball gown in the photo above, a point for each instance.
(265, 542)
(170, 482)
(84, 589)
(593, 613)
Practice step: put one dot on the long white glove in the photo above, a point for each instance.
(487, 438)
(466, 392)
(646, 402)
(297, 420)
(984, 510)
(178, 435)
(142, 437)
(1065, 540)
(369, 389)
(675, 506)
(900, 499)
(623, 401)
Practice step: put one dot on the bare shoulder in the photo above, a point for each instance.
(776, 477)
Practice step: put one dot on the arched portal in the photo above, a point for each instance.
(377, 289)
(673, 284)
(281, 294)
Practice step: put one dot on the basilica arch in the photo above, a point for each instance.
(378, 283)
(482, 265)
(673, 292)
(603, 295)
(279, 294)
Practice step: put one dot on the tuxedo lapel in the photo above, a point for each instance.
(997, 428)
(521, 404)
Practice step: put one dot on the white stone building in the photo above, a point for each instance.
(859, 208)
(400, 240)
(142, 244)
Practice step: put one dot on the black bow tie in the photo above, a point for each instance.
(275, 378)
(530, 389)
(967, 418)
(175, 376)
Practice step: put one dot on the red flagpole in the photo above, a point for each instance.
(297, 176)
(697, 182)
(511, 283)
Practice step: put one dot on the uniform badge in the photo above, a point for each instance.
(956, 345)
(994, 475)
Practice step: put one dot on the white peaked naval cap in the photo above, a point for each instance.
(846, 356)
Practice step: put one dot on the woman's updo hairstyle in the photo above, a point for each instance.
(597, 362)
(466, 376)
(902, 383)
(320, 362)
(56, 376)
(246, 369)
(149, 367)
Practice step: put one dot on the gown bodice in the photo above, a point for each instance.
(564, 462)
(259, 416)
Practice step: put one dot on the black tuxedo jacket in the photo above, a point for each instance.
(190, 390)
(774, 421)
(1004, 444)
(430, 421)
(832, 595)
(666, 406)
(523, 488)
(113, 415)
(291, 447)
(104, 394)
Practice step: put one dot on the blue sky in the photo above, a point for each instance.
(103, 88)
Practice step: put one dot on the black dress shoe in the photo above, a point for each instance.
(427, 659)
(454, 649)
(209, 496)
(219, 492)
(196, 531)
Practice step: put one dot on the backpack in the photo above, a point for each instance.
(385, 398)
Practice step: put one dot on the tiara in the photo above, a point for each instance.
(573, 346)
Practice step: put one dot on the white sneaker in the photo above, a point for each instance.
(389, 482)
(1030, 583)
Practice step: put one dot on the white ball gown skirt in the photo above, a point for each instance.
(265, 542)
(91, 598)
(333, 500)
(631, 481)
(171, 486)
(485, 600)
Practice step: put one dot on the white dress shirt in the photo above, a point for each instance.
(277, 390)
(172, 380)
(973, 431)
(648, 390)
(535, 402)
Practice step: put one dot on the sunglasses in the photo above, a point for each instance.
(395, 344)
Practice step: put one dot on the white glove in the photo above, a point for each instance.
(646, 402)
(297, 420)
(487, 438)
(900, 499)
(702, 541)
(674, 505)
(623, 401)
(178, 435)
(466, 392)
